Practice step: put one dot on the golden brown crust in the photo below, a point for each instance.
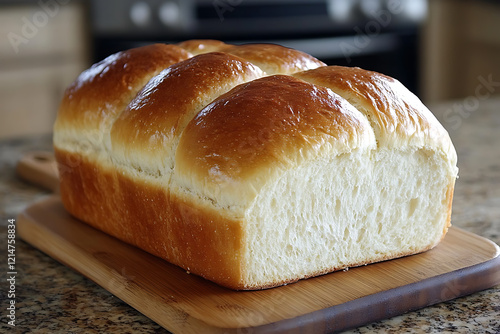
(146, 215)
(449, 196)
(107, 87)
(199, 46)
(154, 119)
(274, 121)
(275, 59)
(272, 58)
(398, 117)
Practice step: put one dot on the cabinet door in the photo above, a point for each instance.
(29, 98)
(45, 47)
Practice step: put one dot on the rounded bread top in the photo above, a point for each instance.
(199, 46)
(153, 121)
(222, 121)
(260, 129)
(271, 58)
(275, 59)
(104, 90)
(398, 117)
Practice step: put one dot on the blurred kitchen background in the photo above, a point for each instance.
(440, 49)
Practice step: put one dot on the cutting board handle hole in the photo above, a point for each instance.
(42, 158)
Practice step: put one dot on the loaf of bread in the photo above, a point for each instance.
(253, 166)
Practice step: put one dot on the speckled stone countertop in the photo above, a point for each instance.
(52, 298)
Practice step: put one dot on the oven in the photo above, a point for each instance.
(379, 35)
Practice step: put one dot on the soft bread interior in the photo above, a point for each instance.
(345, 211)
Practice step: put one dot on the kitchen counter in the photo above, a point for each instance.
(51, 298)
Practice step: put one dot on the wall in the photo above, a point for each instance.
(44, 46)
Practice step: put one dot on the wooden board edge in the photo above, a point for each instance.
(380, 306)
(39, 168)
(170, 322)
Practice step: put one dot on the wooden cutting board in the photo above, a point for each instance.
(461, 264)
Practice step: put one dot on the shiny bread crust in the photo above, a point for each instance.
(196, 238)
(166, 146)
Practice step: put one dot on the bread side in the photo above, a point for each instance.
(308, 175)
(249, 179)
(360, 208)
(144, 137)
(91, 104)
(144, 214)
(252, 134)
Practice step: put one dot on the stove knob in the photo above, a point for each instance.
(170, 13)
(140, 14)
(340, 11)
(370, 7)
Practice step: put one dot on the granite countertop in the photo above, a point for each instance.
(52, 298)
